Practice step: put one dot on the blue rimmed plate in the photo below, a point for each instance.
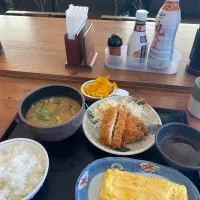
(89, 182)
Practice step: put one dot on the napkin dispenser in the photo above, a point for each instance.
(81, 50)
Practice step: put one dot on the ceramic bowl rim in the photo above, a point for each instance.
(197, 81)
(91, 97)
(59, 125)
(167, 157)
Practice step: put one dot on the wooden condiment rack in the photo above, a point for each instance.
(81, 50)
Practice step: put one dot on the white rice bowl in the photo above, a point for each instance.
(24, 164)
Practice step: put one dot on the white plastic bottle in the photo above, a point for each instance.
(138, 44)
(167, 22)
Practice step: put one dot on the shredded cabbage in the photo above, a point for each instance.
(133, 107)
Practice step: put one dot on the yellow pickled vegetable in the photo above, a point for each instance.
(101, 87)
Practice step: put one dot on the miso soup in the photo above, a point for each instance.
(52, 111)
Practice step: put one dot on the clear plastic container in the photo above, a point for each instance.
(119, 62)
(111, 60)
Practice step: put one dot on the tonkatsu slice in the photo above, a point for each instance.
(107, 126)
(134, 130)
(119, 129)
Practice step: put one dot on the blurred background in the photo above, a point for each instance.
(190, 8)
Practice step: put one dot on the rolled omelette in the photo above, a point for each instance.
(119, 185)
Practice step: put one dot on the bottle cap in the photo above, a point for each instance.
(141, 15)
(115, 40)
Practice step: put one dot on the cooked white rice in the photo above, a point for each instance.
(21, 170)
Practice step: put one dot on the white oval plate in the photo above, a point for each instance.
(152, 121)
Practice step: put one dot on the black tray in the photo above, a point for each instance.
(69, 157)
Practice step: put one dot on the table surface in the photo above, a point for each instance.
(34, 47)
(35, 44)
(13, 90)
(34, 50)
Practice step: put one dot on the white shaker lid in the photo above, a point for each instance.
(141, 15)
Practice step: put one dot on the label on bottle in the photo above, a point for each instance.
(138, 55)
(171, 6)
(161, 51)
(143, 54)
(167, 22)
(140, 26)
(143, 39)
(137, 45)
(163, 41)
(115, 51)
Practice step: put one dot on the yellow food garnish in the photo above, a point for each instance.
(101, 87)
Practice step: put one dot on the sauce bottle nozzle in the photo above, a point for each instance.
(141, 15)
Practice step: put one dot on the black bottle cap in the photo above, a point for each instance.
(115, 40)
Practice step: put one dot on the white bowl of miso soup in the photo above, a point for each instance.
(53, 113)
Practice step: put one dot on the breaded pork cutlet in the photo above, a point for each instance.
(141, 126)
(107, 126)
(131, 131)
(134, 130)
(119, 130)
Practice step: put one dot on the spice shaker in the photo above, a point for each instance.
(194, 102)
(114, 52)
(114, 44)
(1, 49)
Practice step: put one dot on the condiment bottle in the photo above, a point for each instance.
(1, 49)
(167, 23)
(114, 45)
(193, 67)
(138, 44)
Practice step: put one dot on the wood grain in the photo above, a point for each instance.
(34, 47)
(13, 90)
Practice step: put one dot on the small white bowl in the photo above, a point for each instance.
(37, 148)
(116, 92)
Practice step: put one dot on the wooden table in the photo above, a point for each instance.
(35, 56)
(13, 90)
(41, 40)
